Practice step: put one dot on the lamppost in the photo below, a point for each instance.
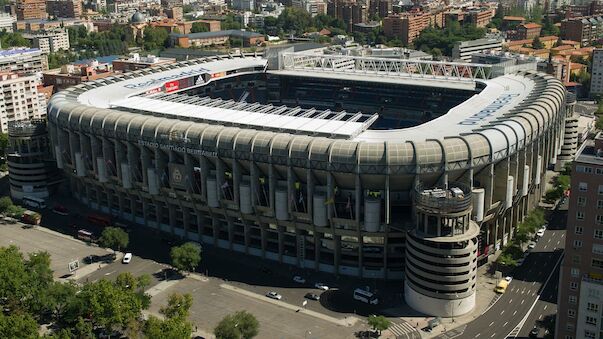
(306, 334)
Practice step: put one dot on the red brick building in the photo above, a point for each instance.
(31, 9)
(64, 8)
(407, 27)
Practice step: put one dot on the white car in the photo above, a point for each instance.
(274, 295)
(531, 245)
(321, 286)
(299, 279)
(508, 279)
(540, 232)
(127, 258)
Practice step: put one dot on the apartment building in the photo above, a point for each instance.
(31, 9)
(580, 296)
(20, 99)
(48, 42)
(136, 62)
(584, 30)
(381, 8)
(463, 50)
(407, 27)
(351, 12)
(6, 22)
(71, 75)
(64, 8)
(596, 79)
(524, 32)
(23, 60)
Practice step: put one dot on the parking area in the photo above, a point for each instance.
(62, 249)
(137, 267)
(212, 302)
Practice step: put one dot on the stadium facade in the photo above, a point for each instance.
(376, 168)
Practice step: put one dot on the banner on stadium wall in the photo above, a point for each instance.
(177, 176)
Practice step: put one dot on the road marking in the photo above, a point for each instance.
(502, 312)
(549, 240)
(533, 283)
(109, 272)
(493, 334)
(505, 324)
(510, 301)
(540, 317)
(563, 235)
(544, 248)
(492, 323)
(558, 242)
(522, 301)
(477, 335)
(514, 313)
(545, 306)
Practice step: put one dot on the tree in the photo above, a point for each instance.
(114, 238)
(5, 203)
(17, 325)
(199, 27)
(378, 323)
(156, 328)
(154, 38)
(537, 44)
(178, 306)
(186, 257)
(241, 324)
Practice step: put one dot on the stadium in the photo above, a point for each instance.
(375, 168)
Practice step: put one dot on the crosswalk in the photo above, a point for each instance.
(403, 330)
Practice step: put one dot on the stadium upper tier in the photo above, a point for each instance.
(509, 112)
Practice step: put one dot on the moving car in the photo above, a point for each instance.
(274, 295)
(501, 287)
(321, 286)
(299, 279)
(312, 296)
(127, 258)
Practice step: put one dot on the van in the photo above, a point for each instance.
(501, 287)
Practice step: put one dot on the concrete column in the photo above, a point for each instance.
(220, 179)
(254, 178)
(94, 147)
(236, 180)
(330, 195)
(272, 183)
(120, 157)
(145, 160)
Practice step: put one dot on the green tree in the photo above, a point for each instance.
(154, 38)
(186, 257)
(199, 27)
(241, 324)
(18, 325)
(156, 328)
(537, 44)
(178, 306)
(9, 39)
(5, 203)
(378, 323)
(114, 238)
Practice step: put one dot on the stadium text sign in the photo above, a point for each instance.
(487, 111)
(177, 148)
(161, 80)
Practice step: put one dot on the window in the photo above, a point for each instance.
(592, 293)
(584, 169)
(589, 334)
(569, 337)
(578, 230)
(592, 307)
(580, 215)
(581, 201)
(571, 313)
(583, 187)
(600, 219)
(599, 171)
(573, 285)
(599, 203)
(598, 233)
(575, 259)
(591, 320)
(572, 299)
(577, 243)
(600, 191)
(575, 272)
(597, 263)
(597, 249)
(569, 326)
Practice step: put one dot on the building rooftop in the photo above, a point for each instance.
(479, 42)
(591, 151)
(18, 51)
(231, 32)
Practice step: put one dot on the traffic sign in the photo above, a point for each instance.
(73, 266)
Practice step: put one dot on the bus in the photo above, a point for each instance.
(33, 202)
(85, 235)
(99, 220)
(366, 296)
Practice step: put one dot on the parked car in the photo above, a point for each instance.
(534, 332)
(127, 258)
(540, 232)
(274, 295)
(60, 210)
(312, 296)
(520, 261)
(91, 259)
(508, 279)
(321, 286)
(531, 245)
(299, 279)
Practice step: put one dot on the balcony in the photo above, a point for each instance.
(455, 198)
